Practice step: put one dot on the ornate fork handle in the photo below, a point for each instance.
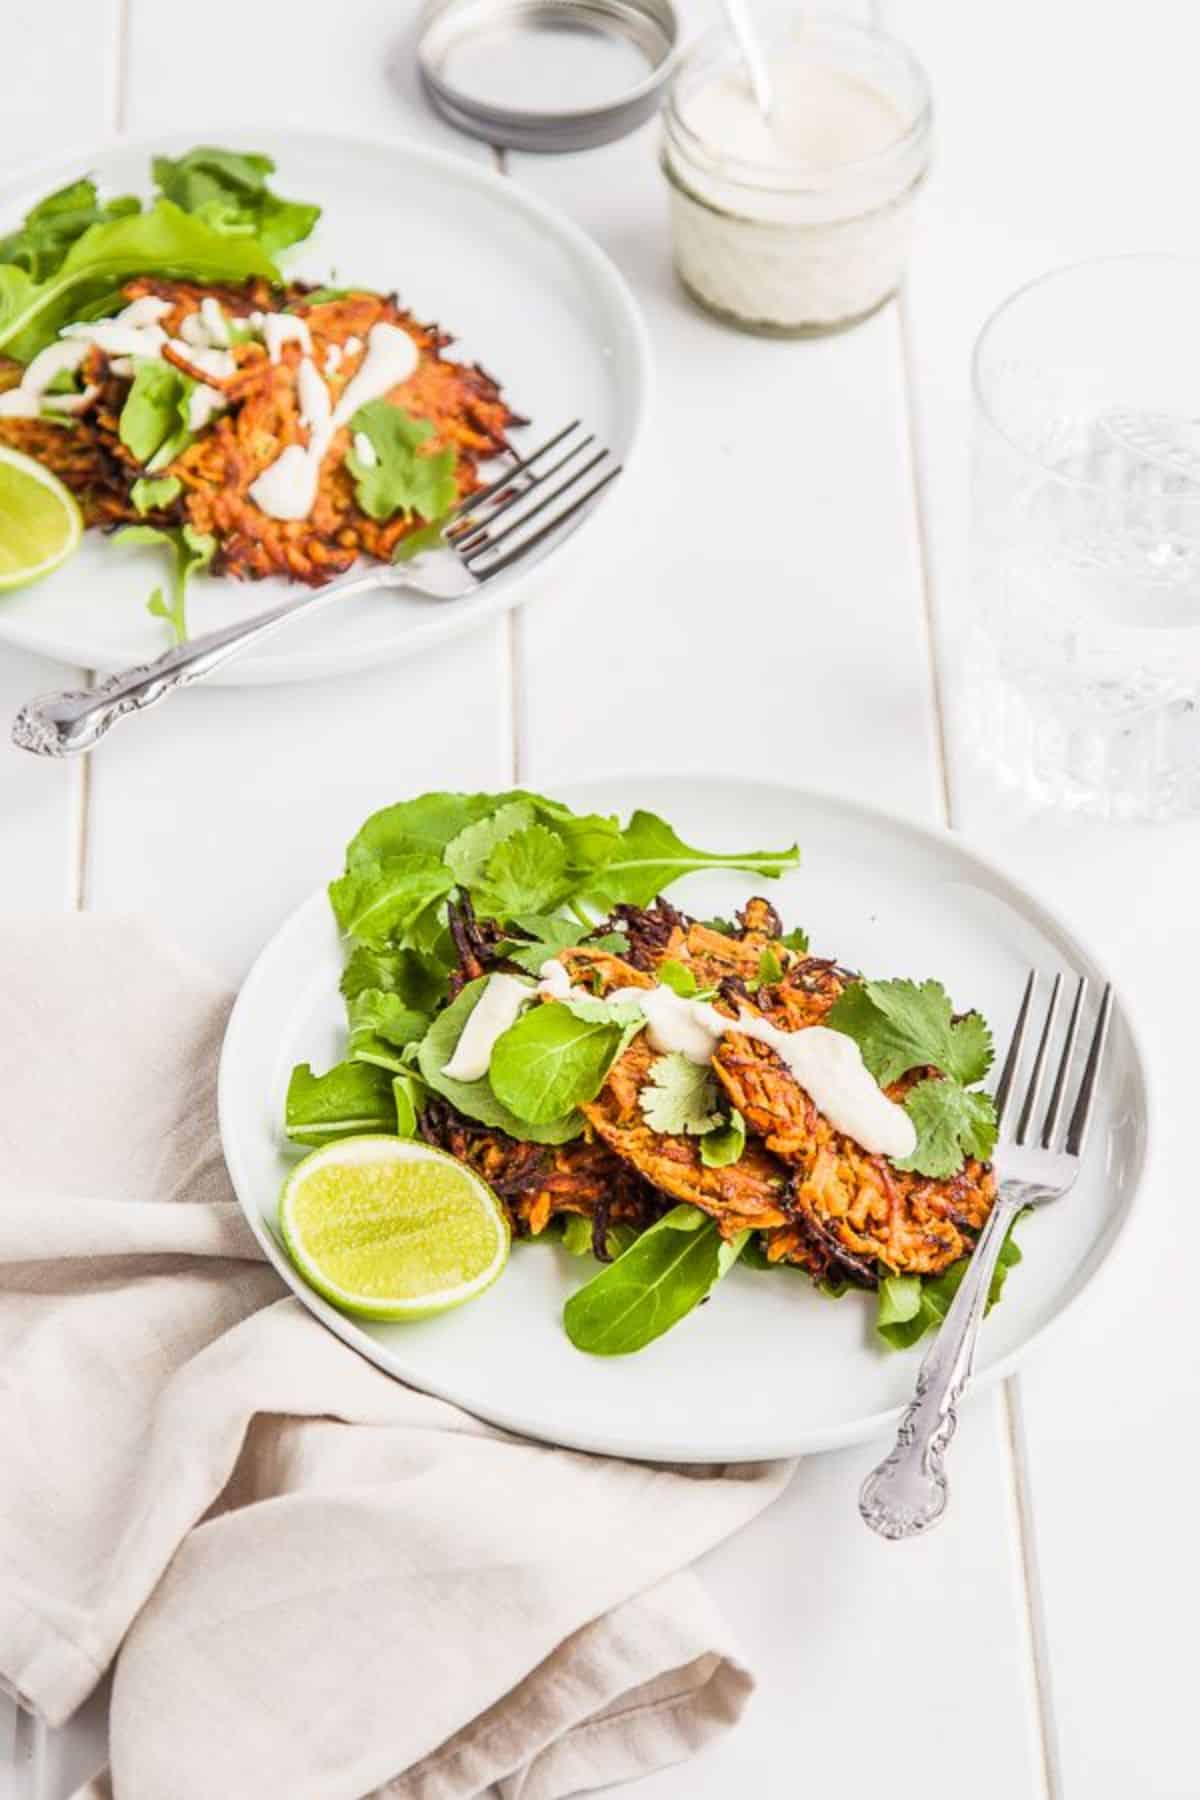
(65, 723)
(907, 1493)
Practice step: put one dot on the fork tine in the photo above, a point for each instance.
(494, 543)
(1008, 1073)
(1077, 1130)
(518, 468)
(1054, 1110)
(544, 531)
(1039, 1064)
(463, 539)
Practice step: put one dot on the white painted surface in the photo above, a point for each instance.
(778, 553)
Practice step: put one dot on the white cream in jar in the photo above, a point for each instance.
(798, 222)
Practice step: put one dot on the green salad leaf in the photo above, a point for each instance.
(419, 981)
(551, 1062)
(228, 190)
(165, 240)
(678, 977)
(191, 553)
(409, 1093)
(796, 940)
(952, 1122)
(725, 1143)
(377, 902)
(381, 1026)
(680, 1097)
(351, 1098)
(150, 494)
(155, 410)
(476, 1098)
(551, 934)
(900, 1025)
(910, 1305)
(650, 856)
(666, 1272)
(40, 243)
(402, 477)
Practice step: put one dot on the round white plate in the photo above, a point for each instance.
(525, 293)
(768, 1367)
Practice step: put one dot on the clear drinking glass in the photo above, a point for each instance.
(1083, 662)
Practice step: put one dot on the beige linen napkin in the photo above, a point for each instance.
(315, 1582)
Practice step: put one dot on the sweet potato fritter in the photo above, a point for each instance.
(462, 402)
(536, 1182)
(843, 1210)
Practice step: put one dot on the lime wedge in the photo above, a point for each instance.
(392, 1229)
(40, 524)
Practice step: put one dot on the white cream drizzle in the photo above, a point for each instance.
(279, 329)
(287, 488)
(364, 449)
(499, 1006)
(828, 1065)
(333, 356)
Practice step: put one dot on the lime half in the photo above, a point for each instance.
(392, 1229)
(40, 524)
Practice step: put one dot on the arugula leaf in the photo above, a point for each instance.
(350, 1098)
(149, 495)
(910, 1305)
(552, 934)
(666, 1272)
(191, 552)
(376, 901)
(900, 1025)
(380, 1027)
(151, 412)
(409, 1093)
(550, 1062)
(680, 1096)
(48, 230)
(952, 1122)
(162, 241)
(724, 1144)
(476, 1098)
(576, 1238)
(228, 190)
(650, 856)
(418, 981)
(401, 479)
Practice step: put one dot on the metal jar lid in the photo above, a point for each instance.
(547, 74)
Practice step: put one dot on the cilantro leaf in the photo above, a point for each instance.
(796, 940)
(467, 854)
(651, 855)
(351, 1098)
(418, 981)
(770, 970)
(900, 1025)
(678, 977)
(526, 872)
(380, 1027)
(401, 478)
(910, 1305)
(552, 934)
(680, 1096)
(725, 1144)
(951, 1122)
(551, 1062)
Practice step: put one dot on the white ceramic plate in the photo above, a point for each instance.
(523, 290)
(768, 1367)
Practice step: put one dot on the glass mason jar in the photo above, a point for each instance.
(1081, 666)
(813, 236)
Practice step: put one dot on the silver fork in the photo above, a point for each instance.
(471, 553)
(908, 1491)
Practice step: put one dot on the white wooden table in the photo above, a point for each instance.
(1039, 1643)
